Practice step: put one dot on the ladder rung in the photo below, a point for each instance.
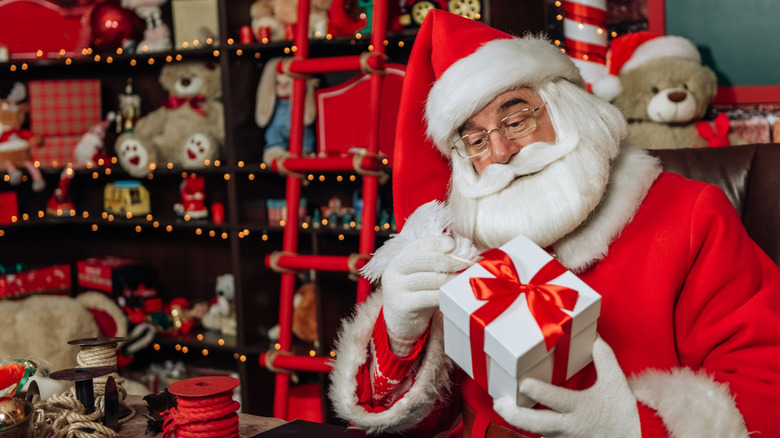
(355, 163)
(284, 261)
(311, 66)
(281, 361)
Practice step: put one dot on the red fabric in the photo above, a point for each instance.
(50, 279)
(651, 423)
(64, 107)
(695, 292)
(622, 48)
(105, 322)
(420, 172)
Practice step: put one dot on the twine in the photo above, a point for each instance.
(104, 356)
(63, 416)
(202, 417)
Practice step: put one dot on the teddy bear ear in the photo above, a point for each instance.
(608, 87)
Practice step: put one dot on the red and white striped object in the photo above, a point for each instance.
(585, 36)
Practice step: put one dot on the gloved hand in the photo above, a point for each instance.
(410, 288)
(607, 409)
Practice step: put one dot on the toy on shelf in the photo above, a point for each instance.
(157, 36)
(221, 316)
(664, 91)
(129, 109)
(272, 111)
(60, 203)
(188, 130)
(193, 196)
(124, 31)
(15, 142)
(90, 150)
(264, 24)
(304, 324)
(127, 198)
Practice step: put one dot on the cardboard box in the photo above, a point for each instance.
(50, 279)
(195, 20)
(514, 345)
(64, 107)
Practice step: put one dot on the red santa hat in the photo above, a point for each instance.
(457, 66)
(631, 50)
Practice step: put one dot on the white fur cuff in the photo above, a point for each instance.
(690, 404)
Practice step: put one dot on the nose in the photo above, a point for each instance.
(677, 96)
(502, 149)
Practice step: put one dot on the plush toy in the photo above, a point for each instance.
(157, 36)
(187, 130)
(264, 21)
(664, 91)
(39, 328)
(222, 314)
(304, 324)
(193, 196)
(16, 143)
(273, 107)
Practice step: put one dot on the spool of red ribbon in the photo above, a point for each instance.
(204, 408)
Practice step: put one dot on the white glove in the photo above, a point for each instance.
(607, 409)
(410, 288)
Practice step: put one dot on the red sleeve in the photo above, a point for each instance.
(651, 424)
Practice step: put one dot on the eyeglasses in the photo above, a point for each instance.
(512, 127)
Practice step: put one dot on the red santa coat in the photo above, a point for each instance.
(691, 307)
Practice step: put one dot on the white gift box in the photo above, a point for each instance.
(514, 343)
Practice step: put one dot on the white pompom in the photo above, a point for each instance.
(608, 87)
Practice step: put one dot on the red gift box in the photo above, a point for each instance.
(64, 107)
(56, 151)
(97, 272)
(51, 279)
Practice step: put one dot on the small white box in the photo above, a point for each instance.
(195, 20)
(514, 344)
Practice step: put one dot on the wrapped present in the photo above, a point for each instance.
(64, 107)
(50, 279)
(518, 313)
(102, 273)
(56, 151)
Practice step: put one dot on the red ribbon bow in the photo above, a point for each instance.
(174, 102)
(545, 302)
(718, 137)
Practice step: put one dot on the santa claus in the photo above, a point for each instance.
(511, 143)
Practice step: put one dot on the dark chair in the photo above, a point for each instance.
(750, 177)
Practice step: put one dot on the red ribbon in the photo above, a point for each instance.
(174, 102)
(545, 302)
(21, 133)
(720, 135)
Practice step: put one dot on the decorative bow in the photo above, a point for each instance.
(174, 102)
(545, 302)
(718, 137)
(20, 133)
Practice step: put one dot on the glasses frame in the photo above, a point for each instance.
(486, 136)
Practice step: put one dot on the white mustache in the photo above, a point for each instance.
(530, 159)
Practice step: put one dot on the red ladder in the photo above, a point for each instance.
(366, 163)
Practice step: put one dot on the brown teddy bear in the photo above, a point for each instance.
(664, 91)
(187, 130)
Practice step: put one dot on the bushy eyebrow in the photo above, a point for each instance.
(501, 108)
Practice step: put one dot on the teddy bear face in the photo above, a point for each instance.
(667, 90)
(190, 79)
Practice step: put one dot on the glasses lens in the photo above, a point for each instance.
(518, 124)
(474, 143)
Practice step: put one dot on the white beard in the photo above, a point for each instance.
(544, 199)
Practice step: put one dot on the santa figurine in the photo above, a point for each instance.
(497, 138)
(193, 196)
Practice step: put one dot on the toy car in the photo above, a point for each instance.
(128, 196)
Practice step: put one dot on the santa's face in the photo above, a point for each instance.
(501, 150)
(545, 184)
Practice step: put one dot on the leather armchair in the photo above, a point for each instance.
(750, 177)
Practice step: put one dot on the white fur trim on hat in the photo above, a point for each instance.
(498, 66)
(662, 47)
